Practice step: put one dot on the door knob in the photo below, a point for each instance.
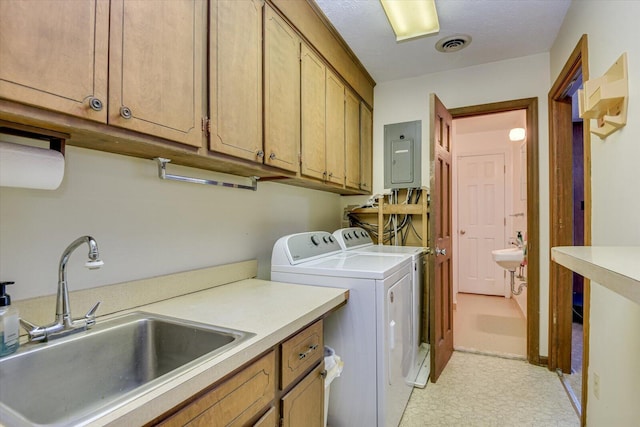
(441, 251)
(462, 232)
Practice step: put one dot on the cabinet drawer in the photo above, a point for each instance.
(300, 353)
(235, 401)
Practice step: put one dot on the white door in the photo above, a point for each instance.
(481, 228)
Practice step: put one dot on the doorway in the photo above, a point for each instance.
(564, 173)
(490, 210)
(530, 191)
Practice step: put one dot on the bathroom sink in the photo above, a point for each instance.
(509, 258)
(75, 379)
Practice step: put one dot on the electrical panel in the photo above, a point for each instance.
(402, 154)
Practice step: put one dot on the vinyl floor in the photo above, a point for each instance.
(480, 390)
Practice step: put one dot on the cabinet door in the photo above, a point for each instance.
(313, 114)
(352, 140)
(235, 79)
(270, 419)
(304, 404)
(281, 93)
(53, 54)
(156, 68)
(235, 401)
(366, 148)
(335, 129)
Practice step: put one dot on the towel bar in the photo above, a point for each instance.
(162, 174)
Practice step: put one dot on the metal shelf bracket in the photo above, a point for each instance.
(162, 174)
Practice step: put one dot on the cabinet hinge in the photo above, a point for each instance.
(300, 158)
(206, 126)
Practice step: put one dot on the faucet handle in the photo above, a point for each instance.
(91, 315)
(36, 333)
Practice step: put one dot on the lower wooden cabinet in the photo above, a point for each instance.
(304, 404)
(255, 397)
(235, 401)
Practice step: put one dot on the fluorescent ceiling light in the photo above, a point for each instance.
(517, 134)
(411, 18)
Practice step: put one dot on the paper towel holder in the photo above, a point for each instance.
(57, 140)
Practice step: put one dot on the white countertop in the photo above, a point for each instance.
(614, 267)
(271, 310)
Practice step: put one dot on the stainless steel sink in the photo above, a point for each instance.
(76, 379)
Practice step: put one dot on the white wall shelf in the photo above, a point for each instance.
(614, 267)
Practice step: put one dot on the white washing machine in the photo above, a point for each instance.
(371, 333)
(356, 239)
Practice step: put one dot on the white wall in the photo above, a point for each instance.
(408, 99)
(144, 226)
(612, 28)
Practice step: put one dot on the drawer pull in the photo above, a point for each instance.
(312, 347)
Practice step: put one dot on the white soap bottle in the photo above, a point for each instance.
(9, 323)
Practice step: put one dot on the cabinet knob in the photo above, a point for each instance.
(330, 174)
(95, 104)
(272, 156)
(260, 154)
(323, 373)
(125, 112)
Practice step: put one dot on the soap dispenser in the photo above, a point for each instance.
(9, 323)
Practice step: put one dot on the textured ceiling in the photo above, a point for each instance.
(500, 29)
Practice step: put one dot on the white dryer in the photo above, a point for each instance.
(372, 332)
(356, 239)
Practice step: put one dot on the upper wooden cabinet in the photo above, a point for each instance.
(156, 68)
(334, 142)
(53, 54)
(58, 54)
(313, 110)
(366, 148)
(247, 87)
(235, 78)
(352, 139)
(281, 93)
(322, 120)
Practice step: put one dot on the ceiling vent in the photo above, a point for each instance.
(453, 43)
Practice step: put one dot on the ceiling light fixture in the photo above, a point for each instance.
(517, 134)
(411, 19)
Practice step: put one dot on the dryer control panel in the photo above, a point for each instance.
(353, 237)
(304, 247)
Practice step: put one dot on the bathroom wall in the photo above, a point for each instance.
(408, 99)
(614, 340)
(145, 227)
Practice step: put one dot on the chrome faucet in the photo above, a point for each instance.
(64, 323)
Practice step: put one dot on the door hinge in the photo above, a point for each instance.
(300, 158)
(281, 424)
(206, 126)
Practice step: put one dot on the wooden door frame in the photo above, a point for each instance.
(530, 105)
(561, 212)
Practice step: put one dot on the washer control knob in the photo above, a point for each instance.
(315, 240)
(331, 239)
(325, 239)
